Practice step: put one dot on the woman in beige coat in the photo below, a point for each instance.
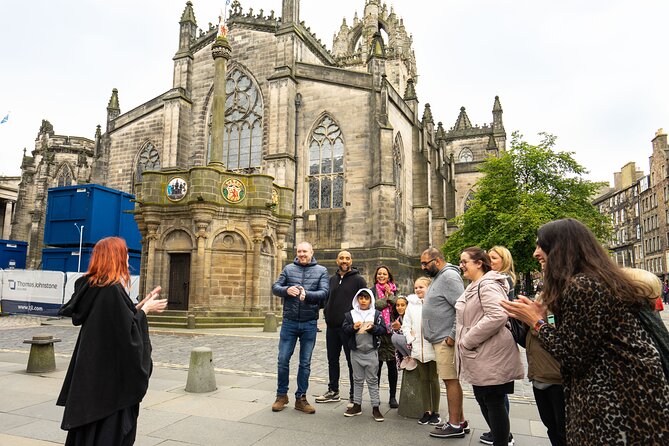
(487, 355)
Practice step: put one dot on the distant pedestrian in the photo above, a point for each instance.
(303, 285)
(665, 292)
(110, 367)
(364, 325)
(615, 388)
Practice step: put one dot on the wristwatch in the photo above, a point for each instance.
(537, 326)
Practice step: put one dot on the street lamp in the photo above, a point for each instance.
(81, 238)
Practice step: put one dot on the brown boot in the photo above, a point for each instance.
(353, 411)
(303, 405)
(376, 413)
(280, 403)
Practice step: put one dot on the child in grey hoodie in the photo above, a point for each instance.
(363, 325)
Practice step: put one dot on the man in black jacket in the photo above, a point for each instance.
(343, 286)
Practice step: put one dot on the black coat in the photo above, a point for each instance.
(111, 362)
(342, 290)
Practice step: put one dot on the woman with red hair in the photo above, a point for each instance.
(111, 363)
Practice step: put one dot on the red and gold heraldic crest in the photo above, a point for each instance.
(233, 190)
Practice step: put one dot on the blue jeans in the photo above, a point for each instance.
(291, 331)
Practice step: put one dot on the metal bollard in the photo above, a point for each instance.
(270, 323)
(201, 377)
(42, 357)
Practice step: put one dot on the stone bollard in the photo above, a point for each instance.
(42, 357)
(411, 397)
(190, 321)
(201, 377)
(270, 323)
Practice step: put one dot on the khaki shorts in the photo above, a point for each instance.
(445, 361)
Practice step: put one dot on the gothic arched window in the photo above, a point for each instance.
(466, 156)
(398, 149)
(326, 166)
(242, 139)
(64, 176)
(148, 159)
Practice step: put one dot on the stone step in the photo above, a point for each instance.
(181, 321)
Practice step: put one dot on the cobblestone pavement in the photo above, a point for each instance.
(245, 351)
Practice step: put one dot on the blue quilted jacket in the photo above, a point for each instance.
(314, 278)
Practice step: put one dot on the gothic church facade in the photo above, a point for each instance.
(268, 138)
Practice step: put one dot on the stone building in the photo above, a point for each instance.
(57, 160)
(654, 210)
(9, 190)
(266, 138)
(621, 203)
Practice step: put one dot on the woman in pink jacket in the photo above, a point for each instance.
(486, 354)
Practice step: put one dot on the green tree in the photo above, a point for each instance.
(527, 186)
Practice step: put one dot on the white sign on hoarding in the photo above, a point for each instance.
(32, 292)
(72, 277)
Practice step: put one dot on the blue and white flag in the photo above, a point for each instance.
(5, 119)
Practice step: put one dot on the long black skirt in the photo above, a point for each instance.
(118, 429)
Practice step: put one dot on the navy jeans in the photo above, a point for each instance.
(291, 331)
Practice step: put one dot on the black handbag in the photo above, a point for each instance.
(658, 333)
(517, 328)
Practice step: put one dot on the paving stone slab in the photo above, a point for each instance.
(9, 421)
(41, 430)
(211, 431)
(44, 411)
(200, 405)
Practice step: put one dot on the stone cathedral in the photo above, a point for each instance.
(267, 138)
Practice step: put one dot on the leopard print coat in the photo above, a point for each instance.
(615, 389)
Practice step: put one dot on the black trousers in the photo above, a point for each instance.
(118, 429)
(550, 403)
(392, 376)
(335, 340)
(493, 409)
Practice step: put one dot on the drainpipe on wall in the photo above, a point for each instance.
(298, 103)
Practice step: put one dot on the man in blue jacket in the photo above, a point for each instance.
(303, 285)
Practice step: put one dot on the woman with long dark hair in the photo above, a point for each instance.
(384, 290)
(615, 389)
(111, 363)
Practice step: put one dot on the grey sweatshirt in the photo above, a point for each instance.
(439, 304)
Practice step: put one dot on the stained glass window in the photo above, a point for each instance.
(148, 159)
(242, 140)
(64, 176)
(326, 166)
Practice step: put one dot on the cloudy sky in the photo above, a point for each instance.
(593, 72)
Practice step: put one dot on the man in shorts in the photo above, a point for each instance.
(439, 330)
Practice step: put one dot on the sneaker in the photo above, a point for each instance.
(404, 362)
(328, 397)
(425, 419)
(447, 430)
(411, 364)
(354, 410)
(465, 426)
(486, 438)
(435, 419)
(280, 403)
(376, 413)
(393, 403)
(350, 403)
(303, 405)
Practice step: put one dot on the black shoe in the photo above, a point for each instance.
(376, 413)
(486, 438)
(393, 403)
(425, 419)
(434, 419)
(447, 430)
(354, 410)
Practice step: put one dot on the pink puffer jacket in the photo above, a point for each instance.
(486, 353)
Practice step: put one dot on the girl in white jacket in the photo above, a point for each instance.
(423, 353)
